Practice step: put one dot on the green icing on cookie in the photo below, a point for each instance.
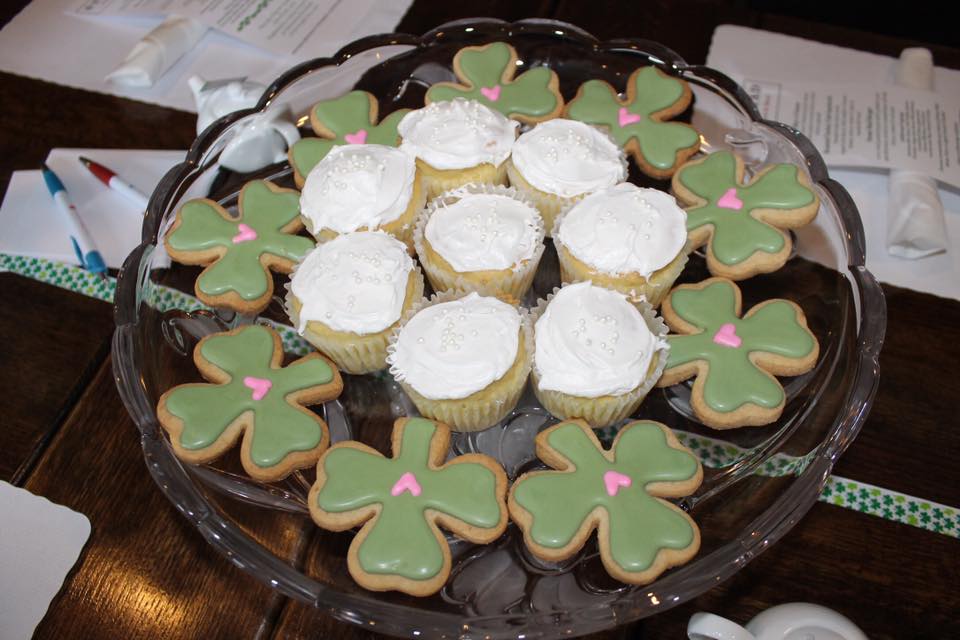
(256, 232)
(640, 525)
(737, 234)
(348, 119)
(401, 540)
(279, 427)
(485, 74)
(652, 91)
(726, 341)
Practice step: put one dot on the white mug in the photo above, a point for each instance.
(793, 621)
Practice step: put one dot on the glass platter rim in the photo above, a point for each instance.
(765, 529)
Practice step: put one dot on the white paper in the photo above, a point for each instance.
(863, 126)
(30, 224)
(43, 42)
(278, 27)
(39, 544)
(741, 52)
(157, 52)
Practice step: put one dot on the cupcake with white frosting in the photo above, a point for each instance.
(596, 355)
(362, 187)
(463, 359)
(560, 161)
(347, 296)
(456, 142)
(480, 238)
(626, 238)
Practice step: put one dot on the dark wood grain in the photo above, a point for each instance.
(51, 345)
(147, 573)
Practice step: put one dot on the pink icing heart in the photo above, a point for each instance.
(259, 386)
(727, 336)
(624, 117)
(729, 200)
(614, 480)
(246, 234)
(359, 137)
(407, 482)
(491, 93)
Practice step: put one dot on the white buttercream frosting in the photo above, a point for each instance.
(484, 231)
(356, 282)
(568, 158)
(453, 349)
(592, 342)
(624, 229)
(357, 186)
(457, 134)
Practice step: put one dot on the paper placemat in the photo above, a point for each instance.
(39, 544)
(42, 42)
(741, 53)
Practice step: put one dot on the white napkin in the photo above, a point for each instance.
(916, 227)
(157, 52)
(39, 544)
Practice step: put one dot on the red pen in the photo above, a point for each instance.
(115, 182)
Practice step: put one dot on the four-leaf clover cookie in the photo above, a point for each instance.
(617, 492)
(638, 123)
(403, 501)
(349, 119)
(734, 358)
(486, 74)
(253, 396)
(742, 224)
(240, 251)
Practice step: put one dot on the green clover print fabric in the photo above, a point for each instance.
(247, 377)
(650, 92)
(639, 524)
(728, 206)
(349, 119)
(485, 73)
(725, 342)
(409, 492)
(262, 231)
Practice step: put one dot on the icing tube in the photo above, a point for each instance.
(157, 52)
(915, 224)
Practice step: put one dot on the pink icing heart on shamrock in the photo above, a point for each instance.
(357, 137)
(613, 480)
(624, 117)
(729, 200)
(246, 234)
(259, 386)
(407, 482)
(727, 336)
(491, 93)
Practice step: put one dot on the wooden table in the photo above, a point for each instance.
(146, 573)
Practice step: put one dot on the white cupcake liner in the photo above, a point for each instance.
(352, 353)
(604, 410)
(652, 290)
(475, 412)
(514, 282)
(439, 181)
(552, 205)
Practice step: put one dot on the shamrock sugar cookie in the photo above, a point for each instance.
(734, 359)
(403, 501)
(349, 119)
(486, 74)
(619, 492)
(240, 251)
(638, 123)
(742, 224)
(252, 396)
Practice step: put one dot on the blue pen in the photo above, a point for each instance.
(83, 245)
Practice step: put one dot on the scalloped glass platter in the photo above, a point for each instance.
(758, 481)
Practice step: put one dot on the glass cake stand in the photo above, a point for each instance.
(759, 481)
